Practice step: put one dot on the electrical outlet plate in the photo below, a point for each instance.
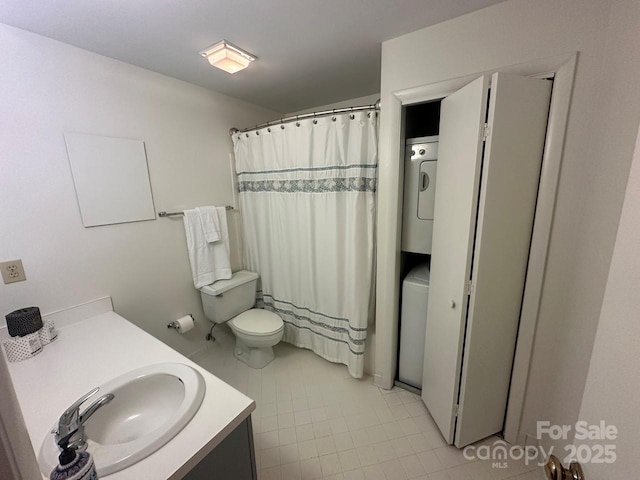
(12, 271)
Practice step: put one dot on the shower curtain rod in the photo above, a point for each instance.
(293, 118)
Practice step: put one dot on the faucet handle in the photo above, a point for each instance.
(91, 409)
(72, 412)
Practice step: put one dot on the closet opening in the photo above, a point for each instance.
(421, 124)
(395, 261)
(476, 167)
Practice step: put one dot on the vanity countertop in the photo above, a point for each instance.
(88, 353)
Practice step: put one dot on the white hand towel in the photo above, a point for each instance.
(209, 261)
(210, 223)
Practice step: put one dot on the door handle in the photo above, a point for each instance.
(556, 471)
(424, 181)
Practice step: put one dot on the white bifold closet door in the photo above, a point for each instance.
(488, 175)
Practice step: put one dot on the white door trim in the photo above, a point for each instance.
(390, 213)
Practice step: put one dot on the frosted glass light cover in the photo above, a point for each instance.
(227, 57)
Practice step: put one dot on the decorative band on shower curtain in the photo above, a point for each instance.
(307, 202)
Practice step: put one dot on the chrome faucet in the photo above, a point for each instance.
(70, 430)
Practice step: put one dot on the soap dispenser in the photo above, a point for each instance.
(74, 465)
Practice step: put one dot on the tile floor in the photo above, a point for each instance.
(313, 421)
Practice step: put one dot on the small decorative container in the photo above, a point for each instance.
(21, 348)
(24, 321)
(48, 332)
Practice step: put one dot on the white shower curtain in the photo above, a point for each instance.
(307, 202)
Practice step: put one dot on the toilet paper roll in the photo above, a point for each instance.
(184, 324)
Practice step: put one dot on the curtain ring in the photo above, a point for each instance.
(333, 118)
(351, 115)
(281, 124)
(297, 122)
(269, 129)
(368, 114)
(315, 121)
(247, 134)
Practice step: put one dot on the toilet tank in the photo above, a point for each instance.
(224, 299)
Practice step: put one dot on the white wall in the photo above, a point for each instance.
(48, 88)
(604, 114)
(352, 102)
(613, 384)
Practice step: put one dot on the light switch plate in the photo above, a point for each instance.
(12, 271)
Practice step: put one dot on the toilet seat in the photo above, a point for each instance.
(257, 322)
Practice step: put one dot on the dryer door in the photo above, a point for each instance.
(427, 190)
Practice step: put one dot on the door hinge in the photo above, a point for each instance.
(485, 132)
(469, 287)
(456, 409)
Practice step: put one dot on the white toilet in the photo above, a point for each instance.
(256, 330)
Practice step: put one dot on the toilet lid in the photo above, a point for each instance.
(257, 322)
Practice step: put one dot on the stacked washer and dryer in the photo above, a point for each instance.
(420, 164)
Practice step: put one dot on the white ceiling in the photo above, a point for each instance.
(310, 52)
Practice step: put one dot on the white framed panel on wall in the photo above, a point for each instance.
(111, 178)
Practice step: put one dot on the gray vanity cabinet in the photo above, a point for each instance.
(233, 459)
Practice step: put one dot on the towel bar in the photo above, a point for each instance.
(170, 214)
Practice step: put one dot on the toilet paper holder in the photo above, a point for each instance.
(175, 324)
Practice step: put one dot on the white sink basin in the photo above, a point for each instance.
(151, 405)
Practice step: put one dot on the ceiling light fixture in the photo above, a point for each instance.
(227, 57)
